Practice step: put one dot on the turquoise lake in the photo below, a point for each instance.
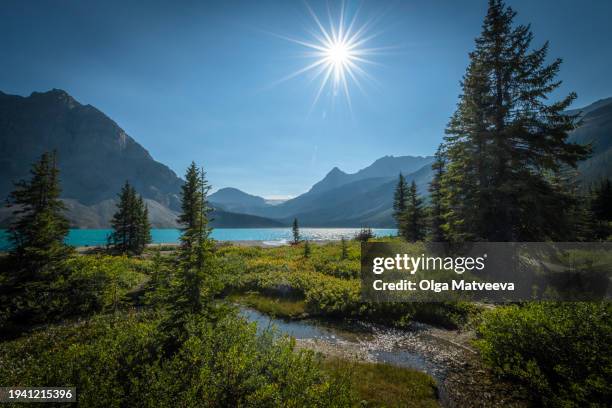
(271, 236)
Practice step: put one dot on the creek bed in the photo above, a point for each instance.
(416, 348)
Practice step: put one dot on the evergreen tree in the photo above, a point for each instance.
(195, 283)
(159, 282)
(121, 223)
(130, 223)
(307, 249)
(413, 219)
(436, 208)
(344, 248)
(40, 227)
(365, 234)
(601, 210)
(505, 146)
(601, 204)
(399, 202)
(143, 233)
(296, 232)
(37, 236)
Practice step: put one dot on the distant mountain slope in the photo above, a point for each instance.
(596, 129)
(366, 202)
(226, 219)
(589, 108)
(98, 216)
(95, 157)
(232, 199)
(388, 166)
(351, 200)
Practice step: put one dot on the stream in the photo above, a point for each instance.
(418, 348)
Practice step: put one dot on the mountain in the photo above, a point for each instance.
(97, 216)
(365, 197)
(226, 219)
(388, 166)
(348, 200)
(366, 202)
(232, 199)
(596, 129)
(95, 155)
(589, 108)
(95, 158)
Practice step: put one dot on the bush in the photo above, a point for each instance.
(364, 235)
(87, 284)
(329, 285)
(118, 360)
(101, 283)
(560, 352)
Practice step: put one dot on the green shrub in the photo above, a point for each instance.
(87, 284)
(101, 283)
(329, 285)
(118, 361)
(560, 351)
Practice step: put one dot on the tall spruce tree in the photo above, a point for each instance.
(307, 249)
(121, 222)
(505, 146)
(343, 249)
(38, 249)
(295, 229)
(194, 285)
(40, 227)
(436, 207)
(143, 233)
(130, 223)
(601, 210)
(601, 203)
(413, 219)
(399, 202)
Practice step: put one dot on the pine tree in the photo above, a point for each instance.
(399, 202)
(413, 219)
(344, 249)
(307, 249)
(37, 236)
(505, 146)
(601, 210)
(436, 208)
(601, 204)
(194, 286)
(40, 227)
(130, 223)
(296, 232)
(365, 234)
(121, 223)
(143, 233)
(159, 282)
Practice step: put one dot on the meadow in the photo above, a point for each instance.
(554, 353)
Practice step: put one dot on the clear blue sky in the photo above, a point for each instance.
(195, 80)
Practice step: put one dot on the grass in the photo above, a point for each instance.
(328, 283)
(383, 385)
(287, 308)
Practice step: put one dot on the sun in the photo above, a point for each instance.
(339, 53)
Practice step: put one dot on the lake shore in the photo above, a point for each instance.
(261, 237)
(172, 246)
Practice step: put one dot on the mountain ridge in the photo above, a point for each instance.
(95, 157)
